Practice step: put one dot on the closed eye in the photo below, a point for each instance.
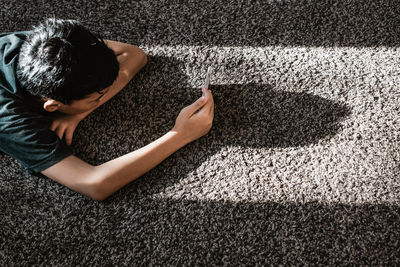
(96, 100)
(102, 93)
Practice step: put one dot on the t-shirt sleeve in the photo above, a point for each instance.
(29, 140)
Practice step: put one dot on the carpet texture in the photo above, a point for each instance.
(301, 166)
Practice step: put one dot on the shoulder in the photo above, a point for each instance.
(14, 39)
(10, 45)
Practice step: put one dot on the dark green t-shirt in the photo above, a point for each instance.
(24, 125)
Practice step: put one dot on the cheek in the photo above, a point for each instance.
(90, 105)
(83, 107)
(87, 105)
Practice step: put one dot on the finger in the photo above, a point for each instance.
(210, 102)
(68, 136)
(207, 110)
(207, 93)
(211, 113)
(204, 90)
(53, 127)
(210, 110)
(197, 105)
(60, 132)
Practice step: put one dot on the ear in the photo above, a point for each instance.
(51, 105)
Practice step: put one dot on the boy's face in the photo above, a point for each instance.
(83, 105)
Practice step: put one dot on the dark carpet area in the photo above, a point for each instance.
(301, 166)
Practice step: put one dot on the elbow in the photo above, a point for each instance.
(98, 194)
(140, 57)
(136, 60)
(98, 198)
(96, 191)
(94, 194)
(92, 190)
(143, 58)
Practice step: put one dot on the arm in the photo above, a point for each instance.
(131, 59)
(99, 182)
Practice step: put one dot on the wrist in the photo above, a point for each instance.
(179, 137)
(81, 116)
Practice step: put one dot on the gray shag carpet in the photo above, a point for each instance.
(301, 166)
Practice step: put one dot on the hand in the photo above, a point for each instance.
(64, 125)
(195, 120)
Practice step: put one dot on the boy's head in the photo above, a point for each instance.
(62, 61)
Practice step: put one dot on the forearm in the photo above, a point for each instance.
(99, 182)
(114, 174)
(131, 61)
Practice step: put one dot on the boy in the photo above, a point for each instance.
(60, 68)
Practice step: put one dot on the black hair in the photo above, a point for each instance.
(62, 60)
